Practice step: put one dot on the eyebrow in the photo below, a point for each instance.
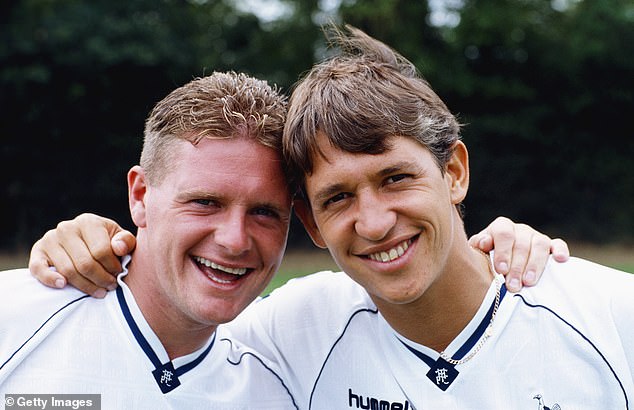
(325, 193)
(397, 167)
(196, 194)
(322, 195)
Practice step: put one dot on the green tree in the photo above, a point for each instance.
(546, 93)
(544, 87)
(78, 79)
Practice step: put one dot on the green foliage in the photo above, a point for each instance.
(548, 94)
(545, 89)
(78, 79)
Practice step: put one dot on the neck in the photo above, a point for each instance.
(448, 305)
(179, 335)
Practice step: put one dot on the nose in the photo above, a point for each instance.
(232, 233)
(374, 216)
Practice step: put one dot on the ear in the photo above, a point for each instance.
(457, 172)
(305, 214)
(137, 188)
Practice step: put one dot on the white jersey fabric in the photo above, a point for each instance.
(567, 343)
(62, 341)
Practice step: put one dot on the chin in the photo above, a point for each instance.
(215, 315)
(402, 297)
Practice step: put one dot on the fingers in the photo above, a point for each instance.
(39, 267)
(536, 258)
(499, 235)
(47, 252)
(525, 257)
(96, 233)
(521, 253)
(512, 248)
(87, 260)
(482, 241)
(123, 243)
(80, 250)
(559, 249)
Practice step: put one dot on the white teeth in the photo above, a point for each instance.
(215, 279)
(392, 254)
(213, 265)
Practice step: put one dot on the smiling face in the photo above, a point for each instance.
(212, 232)
(389, 220)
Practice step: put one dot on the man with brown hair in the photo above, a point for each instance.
(420, 320)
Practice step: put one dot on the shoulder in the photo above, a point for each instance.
(320, 281)
(29, 312)
(318, 304)
(320, 293)
(20, 290)
(592, 300)
(308, 314)
(26, 303)
(585, 285)
(587, 276)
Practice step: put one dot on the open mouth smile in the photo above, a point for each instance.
(220, 273)
(392, 254)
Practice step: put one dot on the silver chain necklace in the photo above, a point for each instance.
(487, 333)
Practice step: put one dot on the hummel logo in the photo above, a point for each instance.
(374, 404)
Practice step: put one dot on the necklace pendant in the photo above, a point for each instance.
(442, 374)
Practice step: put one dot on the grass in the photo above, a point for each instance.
(13, 260)
(300, 263)
(616, 256)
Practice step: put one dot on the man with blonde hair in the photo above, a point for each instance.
(212, 208)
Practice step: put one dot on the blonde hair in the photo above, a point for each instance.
(221, 105)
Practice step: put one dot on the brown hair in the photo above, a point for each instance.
(221, 105)
(361, 98)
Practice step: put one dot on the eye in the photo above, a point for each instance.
(204, 202)
(336, 198)
(396, 178)
(268, 212)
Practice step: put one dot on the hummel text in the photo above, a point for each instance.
(374, 404)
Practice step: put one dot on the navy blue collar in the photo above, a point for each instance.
(166, 376)
(445, 369)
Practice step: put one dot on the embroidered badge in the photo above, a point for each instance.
(541, 405)
(166, 377)
(442, 374)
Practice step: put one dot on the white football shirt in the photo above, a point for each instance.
(567, 342)
(62, 341)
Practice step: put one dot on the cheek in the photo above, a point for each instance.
(335, 229)
(270, 245)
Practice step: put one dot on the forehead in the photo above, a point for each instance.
(231, 166)
(325, 154)
(332, 164)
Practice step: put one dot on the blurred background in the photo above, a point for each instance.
(545, 89)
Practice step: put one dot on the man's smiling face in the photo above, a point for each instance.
(388, 219)
(217, 226)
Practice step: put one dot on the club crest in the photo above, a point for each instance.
(541, 405)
